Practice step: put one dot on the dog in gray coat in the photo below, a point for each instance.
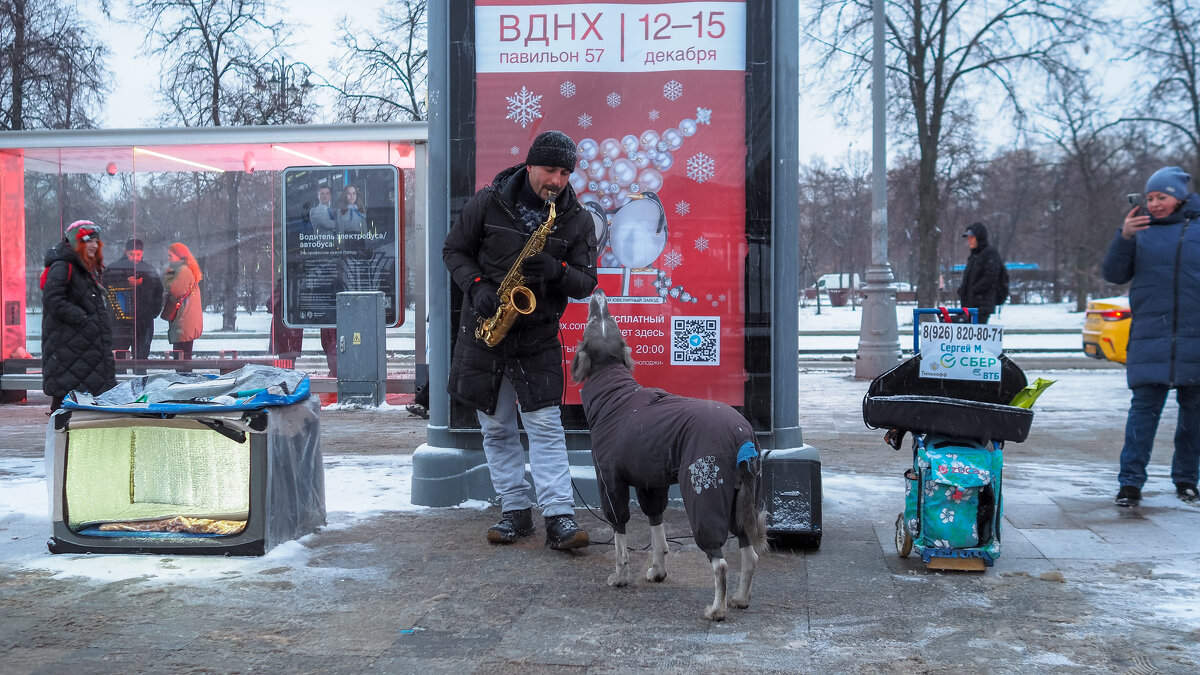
(648, 439)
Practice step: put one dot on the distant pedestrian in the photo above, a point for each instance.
(76, 328)
(286, 343)
(135, 296)
(1159, 252)
(182, 279)
(981, 281)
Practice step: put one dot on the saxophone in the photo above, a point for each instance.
(515, 298)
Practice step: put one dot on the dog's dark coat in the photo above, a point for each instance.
(648, 439)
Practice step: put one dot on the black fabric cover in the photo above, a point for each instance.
(901, 399)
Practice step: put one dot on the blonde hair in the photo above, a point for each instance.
(182, 252)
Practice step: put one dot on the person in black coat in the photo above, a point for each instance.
(980, 286)
(76, 330)
(135, 296)
(526, 366)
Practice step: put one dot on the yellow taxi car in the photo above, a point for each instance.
(1106, 328)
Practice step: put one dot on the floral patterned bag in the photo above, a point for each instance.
(952, 498)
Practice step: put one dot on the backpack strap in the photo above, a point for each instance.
(46, 273)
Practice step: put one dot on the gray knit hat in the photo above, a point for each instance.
(552, 148)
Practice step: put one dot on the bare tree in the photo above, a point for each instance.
(52, 68)
(385, 69)
(213, 54)
(1167, 43)
(1092, 165)
(936, 50)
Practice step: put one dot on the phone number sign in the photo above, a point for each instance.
(952, 351)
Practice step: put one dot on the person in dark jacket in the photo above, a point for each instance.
(76, 330)
(980, 286)
(135, 295)
(525, 368)
(1158, 253)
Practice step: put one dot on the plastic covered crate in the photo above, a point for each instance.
(187, 464)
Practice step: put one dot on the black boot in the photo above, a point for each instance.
(513, 524)
(1187, 492)
(562, 533)
(1128, 496)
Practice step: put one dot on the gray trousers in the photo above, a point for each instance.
(547, 455)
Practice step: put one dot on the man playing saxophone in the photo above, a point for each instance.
(522, 373)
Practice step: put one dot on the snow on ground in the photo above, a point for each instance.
(363, 487)
(357, 488)
(1061, 315)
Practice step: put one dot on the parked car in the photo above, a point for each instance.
(1106, 328)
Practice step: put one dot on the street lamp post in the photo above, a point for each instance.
(878, 338)
(284, 76)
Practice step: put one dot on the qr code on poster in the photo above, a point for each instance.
(696, 340)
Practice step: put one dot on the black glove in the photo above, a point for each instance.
(543, 267)
(484, 299)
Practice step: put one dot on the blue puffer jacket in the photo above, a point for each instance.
(1163, 262)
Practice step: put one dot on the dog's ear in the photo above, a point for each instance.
(581, 366)
(628, 354)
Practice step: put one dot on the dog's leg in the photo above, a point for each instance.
(658, 553)
(741, 599)
(620, 575)
(717, 611)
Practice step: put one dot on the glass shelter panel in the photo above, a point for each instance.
(217, 203)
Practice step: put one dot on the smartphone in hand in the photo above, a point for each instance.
(1139, 200)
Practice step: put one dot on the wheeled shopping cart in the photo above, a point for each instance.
(953, 503)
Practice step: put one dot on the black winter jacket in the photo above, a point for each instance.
(141, 303)
(980, 286)
(76, 331)
(485, 242)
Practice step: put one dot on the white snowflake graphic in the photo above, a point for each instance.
(524, 107)
(721, 297)
(514, 150)
(585, 120)
(637, 283)
(701, 167)
(672, 90)
(703, 116)
(701, 244)
(653, 115)
(682, 208)
(567, 89)
(613, 99)
(705, 474)
(672, 259)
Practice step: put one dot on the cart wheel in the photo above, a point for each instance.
(904, 542)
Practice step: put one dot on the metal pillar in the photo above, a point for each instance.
(878, 339)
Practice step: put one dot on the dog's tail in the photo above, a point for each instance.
(750, 519)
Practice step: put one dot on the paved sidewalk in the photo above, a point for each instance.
(1080, 585)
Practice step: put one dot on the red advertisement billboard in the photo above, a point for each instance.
(654, 94)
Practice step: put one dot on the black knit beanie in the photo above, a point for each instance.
(552, 148)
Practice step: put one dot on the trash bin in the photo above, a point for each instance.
(838, 297)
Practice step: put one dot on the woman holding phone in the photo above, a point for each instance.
(1157, 251)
